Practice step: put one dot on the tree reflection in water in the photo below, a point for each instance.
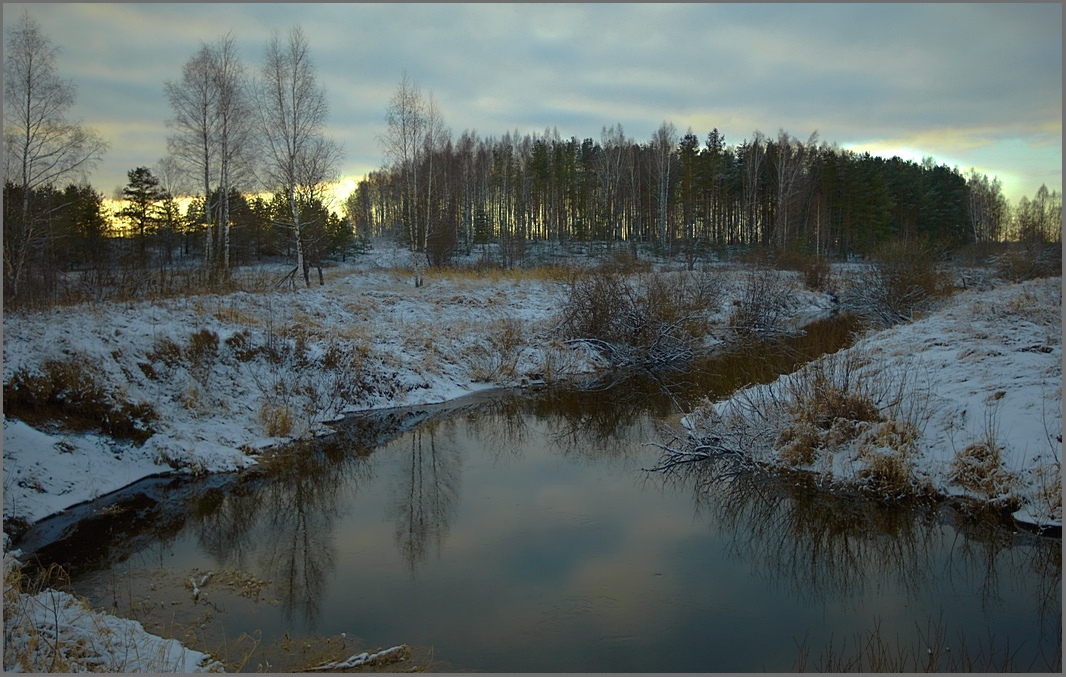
(286, 516)
(823, 545)
(427, 491)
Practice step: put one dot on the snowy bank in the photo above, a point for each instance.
(212, 380)
(53, 631)
(965, 402)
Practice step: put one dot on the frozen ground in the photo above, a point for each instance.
(88, 640)
(983, 372)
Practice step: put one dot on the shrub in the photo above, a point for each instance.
(1028, 261)
(818, 275)
(762, 308)
(902, 281)
(647, 319)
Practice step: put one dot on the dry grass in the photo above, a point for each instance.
(497, 274)
(1048, 480)
(72, 393)
(978, 468)
(825, 412)
(845, 403)
(498, 360)
(277, 419)
(47, 630)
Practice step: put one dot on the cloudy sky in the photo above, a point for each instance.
(970, 85)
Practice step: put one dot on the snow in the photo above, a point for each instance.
(359, 660)
(986, 364)
(44, 474)
(87, 640)
(370, 334)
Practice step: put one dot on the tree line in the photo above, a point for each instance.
(673, 193)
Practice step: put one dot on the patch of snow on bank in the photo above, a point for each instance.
(988, 365)
(53, 631)
(285, 363)
(44, 474)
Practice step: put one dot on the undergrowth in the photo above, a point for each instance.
(72, 393)
(841, 410)
(643, 318)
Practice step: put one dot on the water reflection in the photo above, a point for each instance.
(544, 536)
(820, 545)
(427, 491)
(285, 517)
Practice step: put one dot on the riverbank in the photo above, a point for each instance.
(964, 403)
(114, 393)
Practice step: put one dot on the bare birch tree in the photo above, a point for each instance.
(402, 144)
(613, 141)
(193, 100)
(292, 110)
(435, 138)
(663, 143)
(41, 146)
(235, 128)
(214, 134)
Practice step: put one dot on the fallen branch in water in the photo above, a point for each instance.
(396, 653)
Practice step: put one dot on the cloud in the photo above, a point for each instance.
(927, 75)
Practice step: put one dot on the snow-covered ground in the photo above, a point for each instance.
(981, 373)
(228, 375)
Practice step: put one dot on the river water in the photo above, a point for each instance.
(520, 532)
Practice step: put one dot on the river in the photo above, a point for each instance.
(520, 532)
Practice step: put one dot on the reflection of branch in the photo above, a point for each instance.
(823, 542)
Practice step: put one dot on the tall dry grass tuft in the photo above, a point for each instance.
(842, 406)
(498, 360)
(979, 469)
